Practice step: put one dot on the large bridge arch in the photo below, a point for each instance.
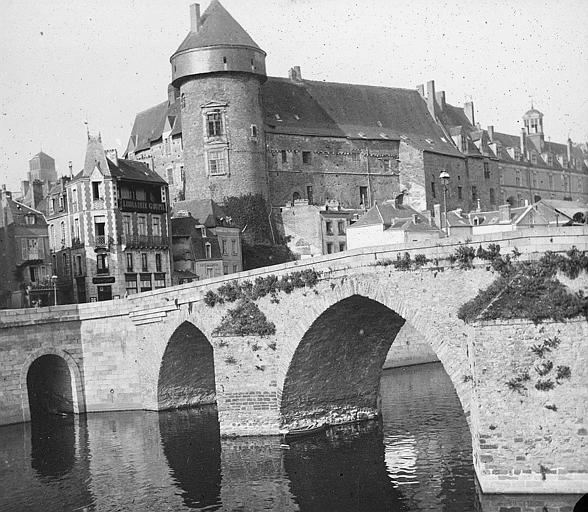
(186, 375)
(51, 356)
(380, 303)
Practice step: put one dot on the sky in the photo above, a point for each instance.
(66, 63)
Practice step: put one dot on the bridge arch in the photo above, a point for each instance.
(186, 373)
(52, 372)
(351, 311)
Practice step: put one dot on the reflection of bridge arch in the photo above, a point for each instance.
(186, 375)
(55, 374)
(341, 342)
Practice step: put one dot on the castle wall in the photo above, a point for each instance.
(334, 167)
(237, 97)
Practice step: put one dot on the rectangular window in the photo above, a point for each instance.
(225, 269)
(355, 156)
(156, 225)
(131, 283)
(329, 227)
(102, 264)
(209, 272)
(474, 193)
(74, 200)
(459, 193)
(341, 246)
(127, 225)
(284, 156)
(492, 196)
(433, 190)
(217, 162)
(254, 131)
(363, 199)
(142, 225)
(159, 280)
(386, 164)
(486, 170)
(144, 266)
(309, 194)
(170, 175)
(129, 261)
(234, 269)
(234, 247)
(145, 282)
(550, 181)
(533, 158)
(77, 229)
(95, 190)
(329, 248)
(158, 262)
(341, 227)
(225, 247)
(79, 269)
(306, 159)
(214, 124)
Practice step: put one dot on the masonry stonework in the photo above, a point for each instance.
(114, 351)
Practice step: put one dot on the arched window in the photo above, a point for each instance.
(208, 250)
(295, 197)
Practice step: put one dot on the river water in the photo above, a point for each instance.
(417, 459)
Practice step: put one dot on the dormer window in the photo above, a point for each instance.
(517, 153)
(30, 219)
(549, 160)
(208, 250)
(534, 158)
(214, 124)
(203, 232)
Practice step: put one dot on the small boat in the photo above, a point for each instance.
(289, 435)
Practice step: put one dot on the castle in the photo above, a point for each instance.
(227, 129)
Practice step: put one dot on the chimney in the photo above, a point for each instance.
(523, 143)
(504, 213)
(431, 103)
(491, 133)
(437, 210)
(173, 94)
(112, 155)
(440, 97)
(70, 166)
(468, 108)
(194, 17)
(421, 89)
(570, 156)
(295, 74)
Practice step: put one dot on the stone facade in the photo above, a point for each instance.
(114, 352)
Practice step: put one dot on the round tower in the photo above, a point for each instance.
(218, 70)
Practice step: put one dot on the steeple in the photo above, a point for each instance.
(95, 157)
(533, 121)
(216, 43)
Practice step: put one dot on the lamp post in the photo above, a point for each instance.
(444, 177)
(54, 280)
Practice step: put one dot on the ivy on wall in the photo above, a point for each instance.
(245, 319)
(529, 289)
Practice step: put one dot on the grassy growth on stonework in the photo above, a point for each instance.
(529, 289)
(262, 286)
(405, 262)
(245, 319)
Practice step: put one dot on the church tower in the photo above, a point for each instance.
(533, 120)
(218, 71)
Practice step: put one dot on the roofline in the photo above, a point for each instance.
(210, 47)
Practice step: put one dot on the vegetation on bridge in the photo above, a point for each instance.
(262, 286)
(245, 319)
(528, 289)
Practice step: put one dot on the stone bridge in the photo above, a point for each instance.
(157, 350)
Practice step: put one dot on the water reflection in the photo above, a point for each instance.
(417, 459)
(191, 443)
(53, 440)
(344, 471)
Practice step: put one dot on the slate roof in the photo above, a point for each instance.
(18, 211)
(393, 216)
(217, 28)
(132, 170)
(148, 127)
(204, 211)
(308, 107)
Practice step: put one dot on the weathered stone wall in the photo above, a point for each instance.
(409, 347)
(518, 440)
(336, 170)
(246, 155)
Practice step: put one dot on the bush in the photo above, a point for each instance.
(211, 299)
(465, 256)
(420, 260)
(526, 290)
(544, 385)
(403, 263)
(246, 319)
(230, 291)
(562, 372)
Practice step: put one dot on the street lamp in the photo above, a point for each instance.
(444, 177)
(54, 280)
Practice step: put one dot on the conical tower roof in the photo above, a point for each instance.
(95, 157)
(217, 28)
